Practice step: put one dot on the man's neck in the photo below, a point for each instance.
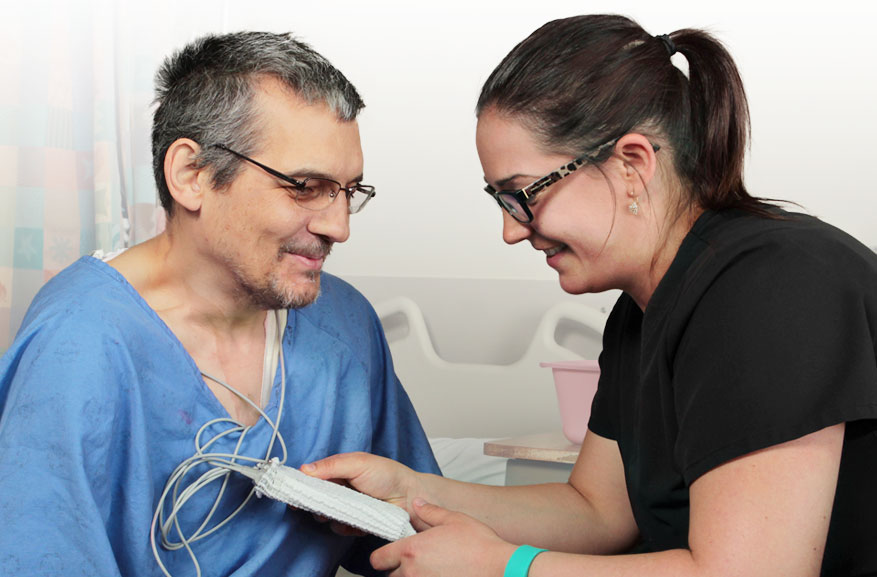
(174, 280)
(225, 337)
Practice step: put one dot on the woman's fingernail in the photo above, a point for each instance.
(308, 467)
(418, 502)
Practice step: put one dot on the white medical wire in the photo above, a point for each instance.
(222, 465)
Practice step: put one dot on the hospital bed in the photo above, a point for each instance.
(461, 405)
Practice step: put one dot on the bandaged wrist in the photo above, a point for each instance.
(520, 561)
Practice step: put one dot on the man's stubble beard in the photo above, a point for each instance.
(277, 294)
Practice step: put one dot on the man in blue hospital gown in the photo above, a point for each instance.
(214, 333)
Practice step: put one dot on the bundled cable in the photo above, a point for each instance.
(220, 468)
(270, 478)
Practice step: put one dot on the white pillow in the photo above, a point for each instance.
(464, 460)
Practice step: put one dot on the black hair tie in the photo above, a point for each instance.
(668, 43)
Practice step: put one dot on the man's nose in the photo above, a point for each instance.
(333, 222)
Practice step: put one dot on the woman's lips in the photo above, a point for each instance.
(554, 254)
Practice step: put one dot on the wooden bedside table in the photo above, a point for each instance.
(532, 459)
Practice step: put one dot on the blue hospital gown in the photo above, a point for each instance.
(99, 403)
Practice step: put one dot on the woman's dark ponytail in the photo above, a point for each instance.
(719, 122)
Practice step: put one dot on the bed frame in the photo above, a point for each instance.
(480, 400)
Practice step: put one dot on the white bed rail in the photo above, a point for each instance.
(482, 400)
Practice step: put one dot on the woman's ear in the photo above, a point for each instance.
(182, 175)
(638, 157)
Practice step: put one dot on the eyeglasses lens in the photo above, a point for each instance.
(512, 206)
(358, 199)
(316, 194)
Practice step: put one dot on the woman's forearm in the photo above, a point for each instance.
(552, 516)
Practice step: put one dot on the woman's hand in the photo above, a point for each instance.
(451, 544)
(376, 476)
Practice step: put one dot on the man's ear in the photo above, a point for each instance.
(638, 157)
(181, 174)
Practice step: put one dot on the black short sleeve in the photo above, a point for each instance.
(780, 345)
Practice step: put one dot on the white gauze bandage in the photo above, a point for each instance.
(331, 500)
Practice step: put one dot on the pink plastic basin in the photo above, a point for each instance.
(575, 383)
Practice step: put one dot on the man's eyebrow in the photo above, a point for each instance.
(306, 172)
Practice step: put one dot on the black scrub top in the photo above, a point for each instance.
(761, 331)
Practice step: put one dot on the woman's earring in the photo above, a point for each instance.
(633, 207)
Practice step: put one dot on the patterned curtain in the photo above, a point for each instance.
(75, 162)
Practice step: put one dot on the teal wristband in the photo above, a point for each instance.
(520, 561)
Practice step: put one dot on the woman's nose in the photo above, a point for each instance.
(512, 230)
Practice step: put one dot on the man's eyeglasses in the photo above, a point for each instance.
(314, 193)
(516, 202)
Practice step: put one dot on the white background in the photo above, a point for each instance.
(808, 68)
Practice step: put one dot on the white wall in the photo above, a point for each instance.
(809, 70)
(811, 81)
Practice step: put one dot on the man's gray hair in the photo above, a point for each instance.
(205, 92)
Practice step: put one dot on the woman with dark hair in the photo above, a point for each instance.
(734, 431)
